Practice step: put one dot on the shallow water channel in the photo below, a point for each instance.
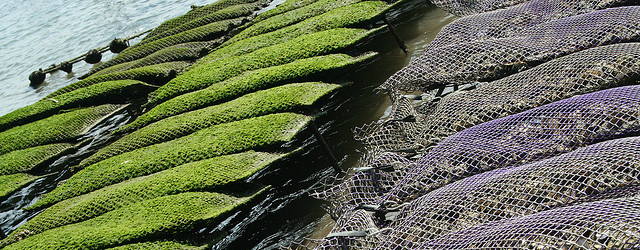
(286, 212)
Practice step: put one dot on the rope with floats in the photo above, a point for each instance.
(93, 56)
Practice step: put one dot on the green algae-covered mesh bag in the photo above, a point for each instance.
(204, 33)
(58, 128)
(12, 182)
(210, 174)
(153, 74)
(105, 92)
(247, 82)
(290, 97)
(181, 52)
(195, 14)
(162, 217)
(582, 72)
(228, 138)
(26, 159)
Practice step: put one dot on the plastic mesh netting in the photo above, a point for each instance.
(585, 71)
(510, 21)
(518, 191)
(494, 58)
(585, 226)
(549, 130)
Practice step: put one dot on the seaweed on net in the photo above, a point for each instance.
(495, 58)
(58, 128)
(351, 15)
(245, 83)
(291, 97)
(302, 14)
(181, 52)
(204, 33)
(11, 183)
(578, 176)
(210, 174)
(160, 217)
(158, 245)
(315, 44)
(194, 14)
(512, 20)
(230, 12)
(109, 91)
(26, 159)
(582, 72)
(286, 6)
(152, 74)
(223, 139)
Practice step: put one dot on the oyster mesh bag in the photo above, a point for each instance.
(492, 59)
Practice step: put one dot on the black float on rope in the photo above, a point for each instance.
(66, 67)
(36, 78)
(93, 56)
(118, 45)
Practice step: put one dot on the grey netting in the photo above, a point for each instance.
(494, 58)
(585, 71)
(181, 52)
(510, 21)
(591, 225)
(518, 191)
(469, 7)
(529, 136)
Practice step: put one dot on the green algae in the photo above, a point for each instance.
(13, 182)
(304, 13)
(193, 15)
(153, 74)
(160, 217)
(203, 33)
(159, 245)
(223, 139)
(26, 159)
(347, 16)
(230, 12)
(57, 128)
(181, 52)
(245, 83)
(209, 175)
(282, 8)
(286, 98)
(202, 76)
(110, 91)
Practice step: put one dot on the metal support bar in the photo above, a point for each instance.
(325, 147)
(395, 35)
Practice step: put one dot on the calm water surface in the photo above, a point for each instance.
(35, 34)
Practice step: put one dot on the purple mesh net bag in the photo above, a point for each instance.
(582, 72)
(606, 224)
(494, 58)
(509, 21)
(579, 176)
